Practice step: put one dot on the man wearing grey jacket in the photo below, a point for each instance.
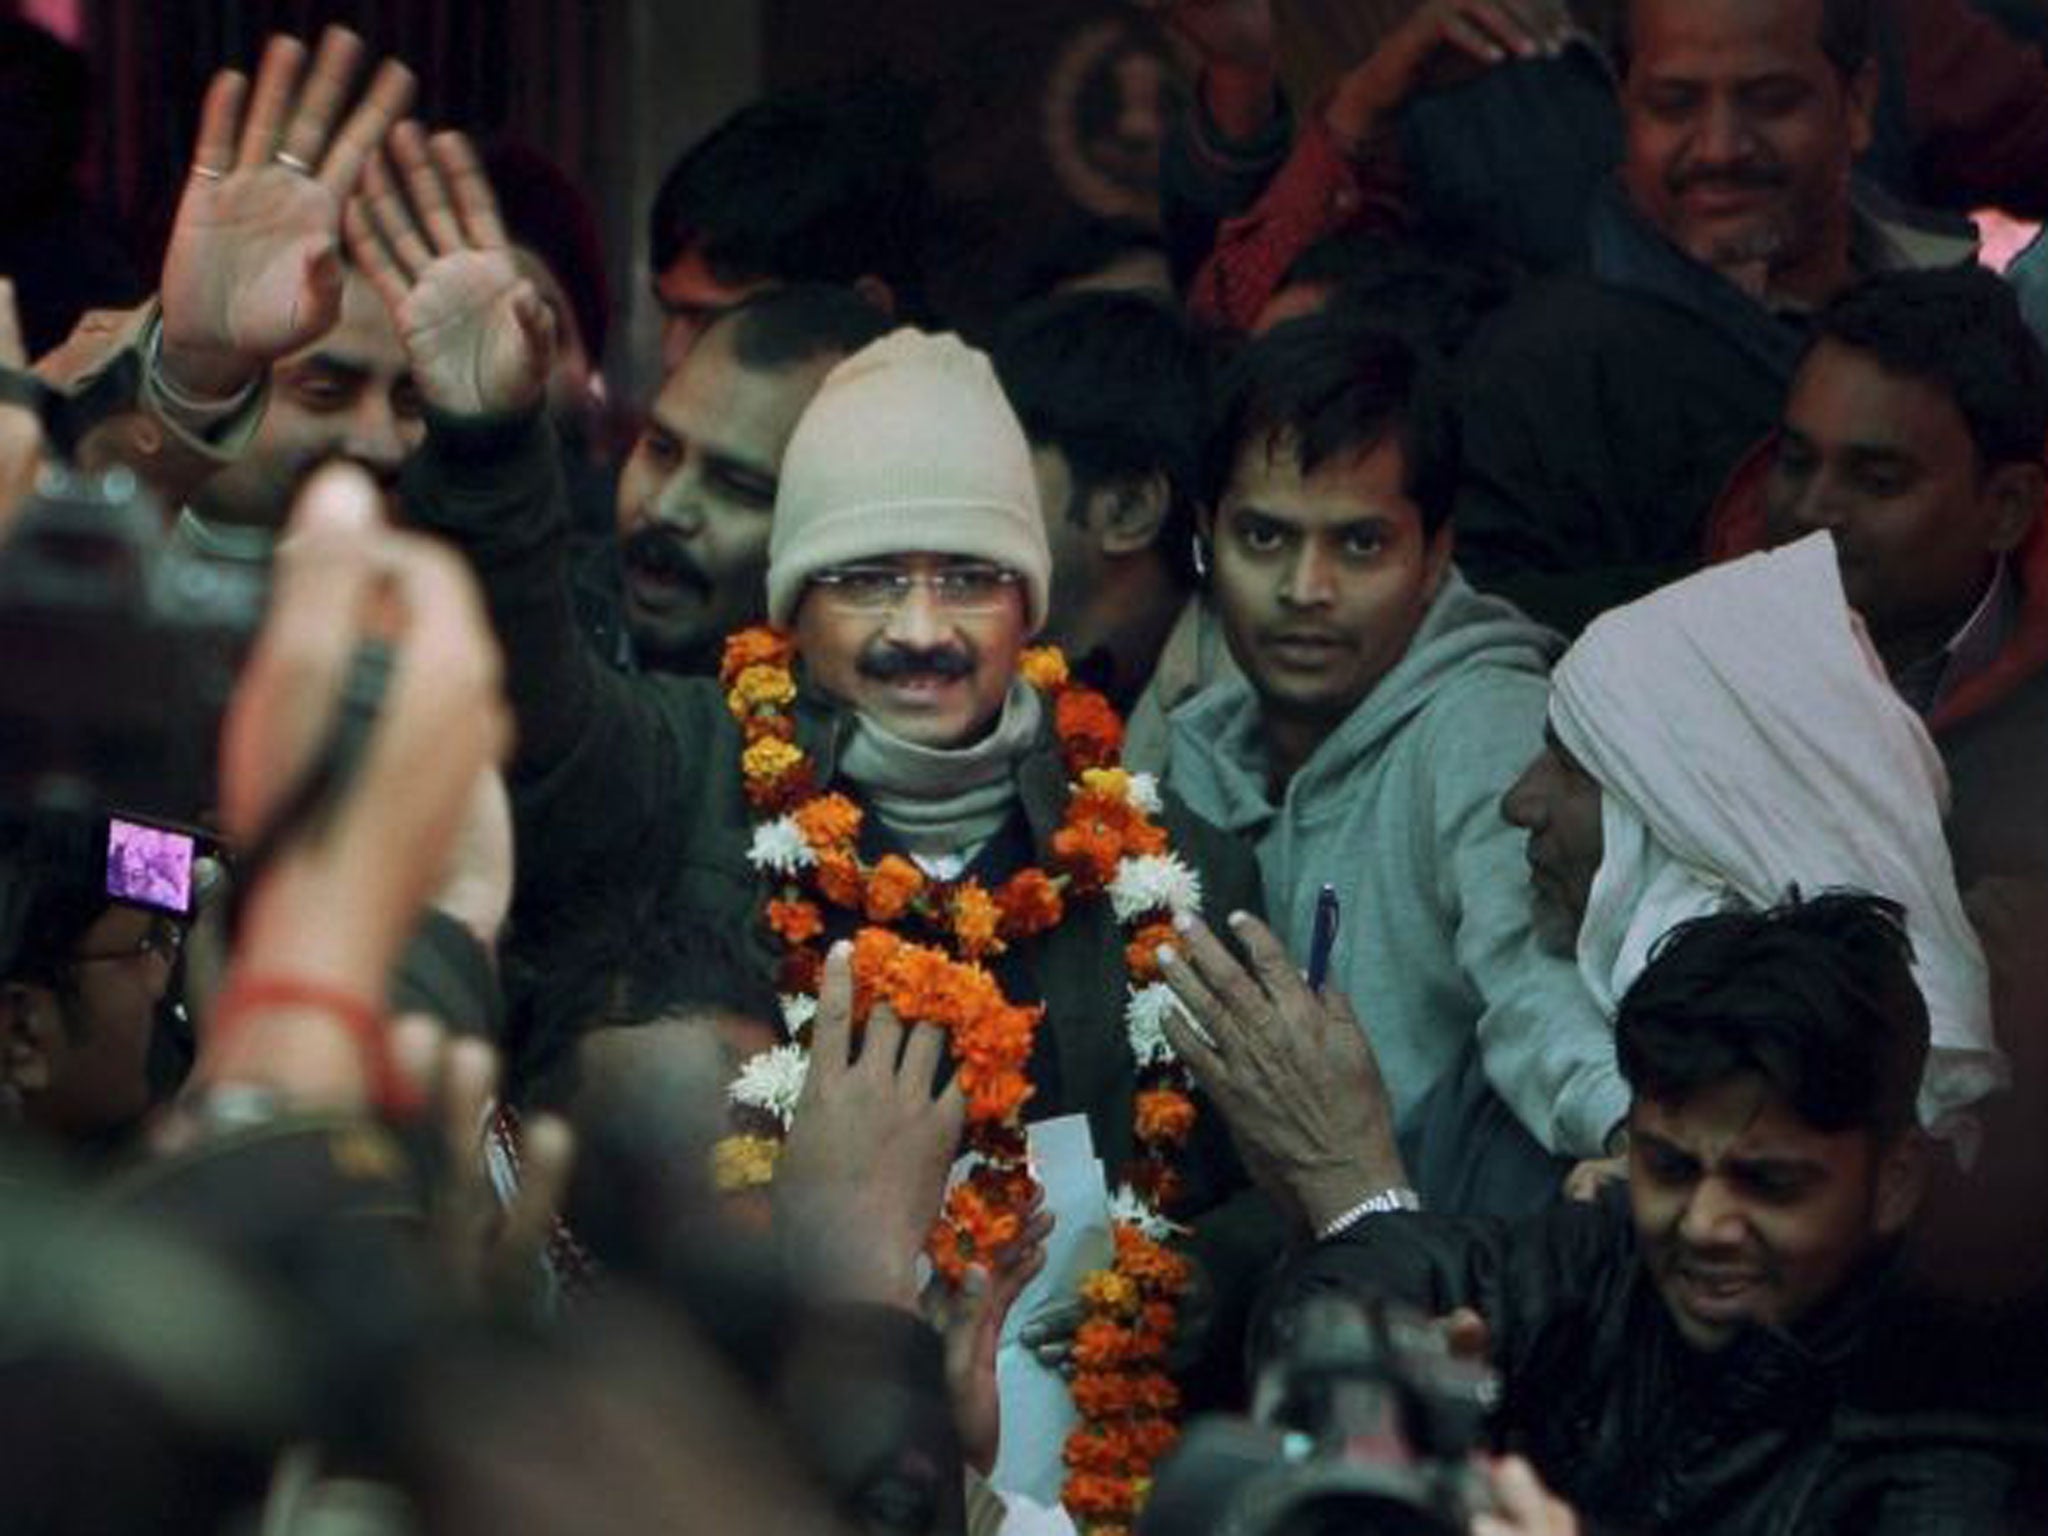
(1385, 707)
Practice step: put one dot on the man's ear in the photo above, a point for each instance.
(876, 291)
(1902, 1171)
(1126, 515)
(2016, 492)
(29, 1037)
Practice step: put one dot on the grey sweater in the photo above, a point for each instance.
(1400, 809)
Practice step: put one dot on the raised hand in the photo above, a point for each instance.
(861, 1176)
(1230, 33)
(1290, 1069)
(426, 233)
(1438, 38)
(254, 266)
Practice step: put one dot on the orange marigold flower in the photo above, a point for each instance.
(1101, 1344)
(829, 823)
(796, 921)
(1141, 955)
(768, 728)
(893, 885)
(1154, 1392)
(838, 880)
(1044, 668)
(1153, 1438)
(769, 759)
(1103, 1394)
(743, 1162)
(974, 916)
(1164, 1115)
(1029, 902)
(1093, 1496)
(1087, 854)
(1142, 1262)
(1090, 734)
(994, 1095)
(756, 647)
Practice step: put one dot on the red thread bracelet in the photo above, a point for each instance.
(363, 1021)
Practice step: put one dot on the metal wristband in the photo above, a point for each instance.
(1398, 1197)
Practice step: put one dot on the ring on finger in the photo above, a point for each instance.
(292, 162)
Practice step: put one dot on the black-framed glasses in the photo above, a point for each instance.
(974, 587)
(164, 938)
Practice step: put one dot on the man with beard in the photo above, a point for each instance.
(907, 568)
(1604, 409)
(697, 493)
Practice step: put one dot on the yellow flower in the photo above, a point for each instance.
(761, 687)
(1044, 668)
(769, 758)
(743, 1162)
(1113, 782)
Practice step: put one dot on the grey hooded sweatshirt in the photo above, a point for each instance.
(1399, 809)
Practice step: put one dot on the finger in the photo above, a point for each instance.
(1182, 1033)
(536, 322)
(882, 1043)
(950, 1114)
(373, 258)
(469, 1076)
(1054, 1323)
(425, 188)
(1471, 35)
(1204, 1019)
(1243, 999)
(277, 78)
(390, 94)
(1271, 966)
(214, 149)
(547, 1154)
(920, 1066)
(832, 1025)
(383, 202)
(13, 350)
(311, 122)
(415, 1047)
(476, 205)
(1520, 1494)
(1465, 1334)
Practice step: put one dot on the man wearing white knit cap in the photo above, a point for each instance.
(876, 759)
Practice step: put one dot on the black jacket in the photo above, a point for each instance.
(1839, 1428)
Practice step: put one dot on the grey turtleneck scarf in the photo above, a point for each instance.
(944, 802)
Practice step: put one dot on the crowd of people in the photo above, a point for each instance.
(1441, 795)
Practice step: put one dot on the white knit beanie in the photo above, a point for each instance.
(908, 447)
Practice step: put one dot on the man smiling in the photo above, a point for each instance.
(1383, 709)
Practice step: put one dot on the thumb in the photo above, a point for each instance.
(320, 280)
(536, 322)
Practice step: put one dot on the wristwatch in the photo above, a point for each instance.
(1396, 1197)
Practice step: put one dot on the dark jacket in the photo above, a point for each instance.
(1775, 1435)
(629, 808)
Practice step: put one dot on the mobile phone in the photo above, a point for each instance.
(1322, 937)
(152, 864)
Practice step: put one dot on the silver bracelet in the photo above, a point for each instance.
(1398, 1197)
(193, 412)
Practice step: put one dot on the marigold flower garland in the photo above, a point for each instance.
(807, 845)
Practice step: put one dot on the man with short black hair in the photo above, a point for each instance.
(1914, 435)
(1384, 708)
(822, 187)
(1112, 390)
(697, 492)
(1730, 1347)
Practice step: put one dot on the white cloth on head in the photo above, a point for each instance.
(1746, 740)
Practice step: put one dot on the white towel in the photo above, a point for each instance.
(1746, 739)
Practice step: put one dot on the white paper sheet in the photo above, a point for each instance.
(1037, 1410)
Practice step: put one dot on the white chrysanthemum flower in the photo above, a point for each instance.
(1144, 1014)
(1154, 880)
(779, 847)
(1129, 1207)
(798, 1009)
(1144, 793)
(772, 1081)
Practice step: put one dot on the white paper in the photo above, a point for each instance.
(1037, 1409)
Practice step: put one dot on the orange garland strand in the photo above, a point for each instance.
(1126, 1399)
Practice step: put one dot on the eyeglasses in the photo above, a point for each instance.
(884, 588)
(164, 938)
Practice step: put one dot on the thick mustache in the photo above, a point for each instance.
(660, 552)
(891, 663)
